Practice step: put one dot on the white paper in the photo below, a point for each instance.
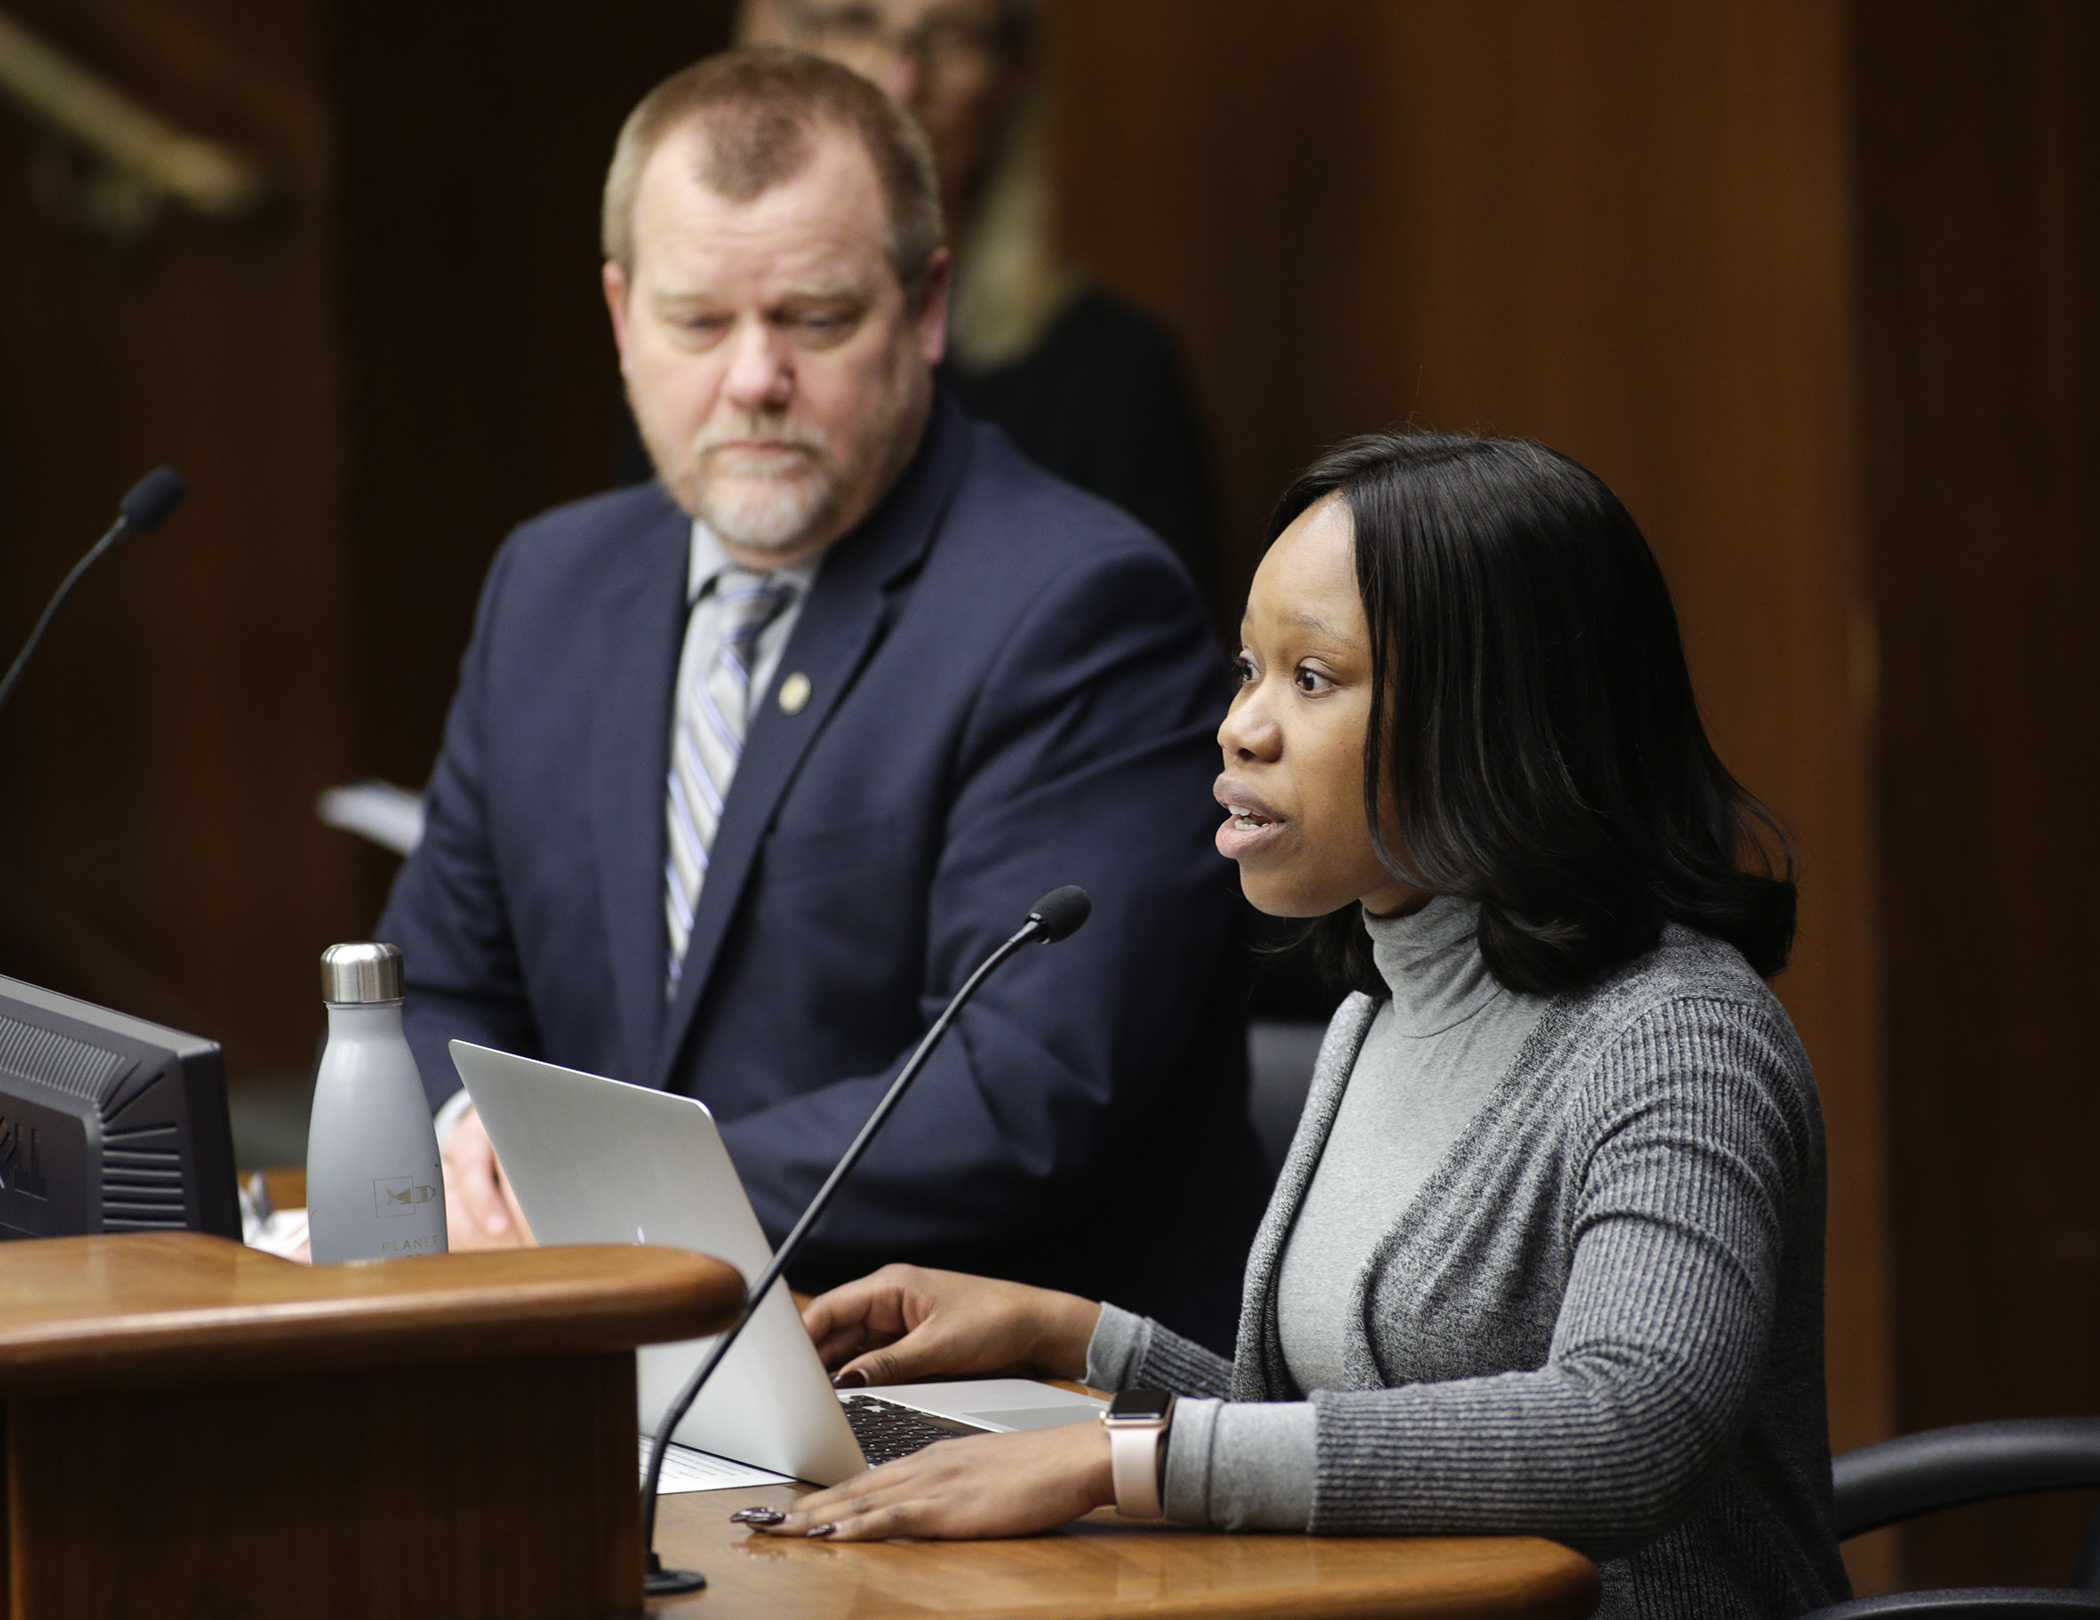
(391, 817)
(282, 1232)
(686, 1469)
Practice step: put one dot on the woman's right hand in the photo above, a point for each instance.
(903, 1324)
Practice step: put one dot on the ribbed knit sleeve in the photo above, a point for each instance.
(1129, 1351)
(1182, 1365)
(1688, 1153)
(1120, 1341)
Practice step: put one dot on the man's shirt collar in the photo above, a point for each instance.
(707, 559)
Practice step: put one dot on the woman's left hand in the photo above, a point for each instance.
(975, 1486)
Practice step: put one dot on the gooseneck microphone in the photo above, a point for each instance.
(151, 499)
(1058, 915)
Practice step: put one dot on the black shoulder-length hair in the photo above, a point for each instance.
(1532, 719)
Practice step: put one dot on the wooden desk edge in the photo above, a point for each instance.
(1502, 1576)
(209, 1311)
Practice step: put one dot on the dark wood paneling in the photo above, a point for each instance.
(1979, 185)
(483, 383)
(156, 807)
(1621, 228)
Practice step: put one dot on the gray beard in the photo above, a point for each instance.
(775, 525)
(784, 526)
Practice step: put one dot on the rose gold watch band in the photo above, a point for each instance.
(1134, 1448)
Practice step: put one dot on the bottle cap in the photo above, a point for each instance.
(352, 975)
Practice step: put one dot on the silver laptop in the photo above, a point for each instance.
(593, 1160)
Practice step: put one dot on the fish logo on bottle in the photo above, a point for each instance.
(399, 1195)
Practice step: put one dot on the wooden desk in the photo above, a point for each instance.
(194, 1428)
(1101, 1567)
(1104, 1568)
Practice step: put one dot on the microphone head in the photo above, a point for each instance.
(1059, 914)
(152, 498)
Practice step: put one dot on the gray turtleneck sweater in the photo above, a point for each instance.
(1431, 1055)
(1542, 1266)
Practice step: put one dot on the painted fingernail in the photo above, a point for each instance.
(823, 1530)
(757, 1515)
(856, 1379)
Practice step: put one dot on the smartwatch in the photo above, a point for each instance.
(1137, 1421)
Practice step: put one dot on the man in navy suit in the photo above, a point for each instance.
(750, 766)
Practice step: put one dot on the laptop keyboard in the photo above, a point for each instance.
(887, 1431)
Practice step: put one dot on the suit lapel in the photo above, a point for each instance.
(629, 755)
(849, 609)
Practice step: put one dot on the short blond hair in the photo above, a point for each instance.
(759, 109)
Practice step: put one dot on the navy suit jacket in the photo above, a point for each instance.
(1012, 686)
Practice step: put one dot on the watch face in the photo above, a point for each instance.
(1140, 1405)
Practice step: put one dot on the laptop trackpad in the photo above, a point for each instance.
(1037, 1417)
(1006, 1403)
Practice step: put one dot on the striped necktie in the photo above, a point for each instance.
(714, 705)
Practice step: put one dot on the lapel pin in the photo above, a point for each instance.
(794, 692)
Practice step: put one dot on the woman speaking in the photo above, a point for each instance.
(1546, 1256)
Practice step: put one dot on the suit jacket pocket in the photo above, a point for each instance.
(802, 855)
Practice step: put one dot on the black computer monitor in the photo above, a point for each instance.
(108, 1123)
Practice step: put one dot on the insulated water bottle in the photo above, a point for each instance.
(374, 1190)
